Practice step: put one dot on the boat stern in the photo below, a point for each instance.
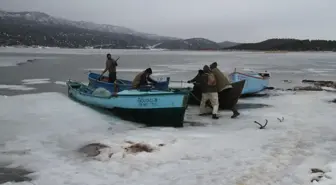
(265, 75)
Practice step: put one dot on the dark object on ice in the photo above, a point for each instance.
(321, 83)
(27, 61)
(270, 88)
(134, 143)
(308, 88)
(261, 126)
(334, 101)
(195, 123)
(282, 119)
(251, 106)
(316, 170)
(288, 81)
(317, 85)
(92, 150)
(31, 60)
(14, 175)
(16, 152)
(317, 179)
(139, 147)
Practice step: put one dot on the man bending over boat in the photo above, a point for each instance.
(110, 66)
(143, 78)
(209, 92)
(223, 84)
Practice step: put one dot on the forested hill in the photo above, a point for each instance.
(37, 28)
(287, 45)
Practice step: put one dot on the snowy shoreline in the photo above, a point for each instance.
(51, 128)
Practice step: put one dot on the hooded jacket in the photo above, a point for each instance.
(208, 82)
(221, 79)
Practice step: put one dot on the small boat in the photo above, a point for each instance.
(151, 107)
(227, 98)
(122, 84)
(254, 82)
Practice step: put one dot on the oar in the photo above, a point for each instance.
(117, 59)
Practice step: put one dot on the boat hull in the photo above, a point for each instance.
(164, 117)
(121, 84)
(153, 108)
(227, 98)
(254, 83)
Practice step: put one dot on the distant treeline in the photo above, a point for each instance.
(287, 45)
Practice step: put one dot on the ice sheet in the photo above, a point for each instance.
(226, 151)
(35, 81)
(16, 87)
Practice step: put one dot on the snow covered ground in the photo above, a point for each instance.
(226, 151)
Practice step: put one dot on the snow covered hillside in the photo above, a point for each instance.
(44, 18)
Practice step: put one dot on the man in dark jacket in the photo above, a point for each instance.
(110, 66)
(143, 78)
(209, 92)
(197, 78)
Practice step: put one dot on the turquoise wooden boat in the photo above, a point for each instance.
(153, 107)
(254, 82)
(121, 84)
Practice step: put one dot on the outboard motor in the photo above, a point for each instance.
(265, 74)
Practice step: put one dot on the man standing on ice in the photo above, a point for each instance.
(209, 92)
(223, 84)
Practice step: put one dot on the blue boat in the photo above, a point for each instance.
(254, 82)
(121, 84)
(153, 107)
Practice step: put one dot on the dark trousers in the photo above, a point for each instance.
(233, 109)
(112, 77)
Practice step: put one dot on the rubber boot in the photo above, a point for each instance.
(214, 116)
(235, 113)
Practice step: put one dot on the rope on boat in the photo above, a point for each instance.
(195, 96)
(120, 81)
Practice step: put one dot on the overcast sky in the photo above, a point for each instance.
(218, 20)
